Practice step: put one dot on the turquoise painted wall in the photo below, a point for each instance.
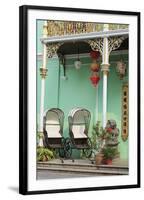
(77, 90)
(51, 91)
(39, 24)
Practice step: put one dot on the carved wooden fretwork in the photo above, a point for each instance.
(113, 43)
(60, 28)
(52, 49)
(125, 111)
(96, 44)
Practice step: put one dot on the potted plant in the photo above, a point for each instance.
(97, 140)
(44, 154)
(109, 154)
(97, 136)
(102, 138)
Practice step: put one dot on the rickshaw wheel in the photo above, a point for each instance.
(61, 153)
(68, 148)
(61, 150)
(45, 140)
(88, 151)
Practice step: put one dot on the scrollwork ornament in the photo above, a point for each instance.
(52, 49)
(115, 42)
(96, 44)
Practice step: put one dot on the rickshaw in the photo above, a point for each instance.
(79, 120)
(53, 130)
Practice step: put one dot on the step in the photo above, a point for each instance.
(86, 171)
(81, 165)
(84, 166)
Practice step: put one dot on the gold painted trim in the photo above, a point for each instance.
(43, 72)
(106, 72)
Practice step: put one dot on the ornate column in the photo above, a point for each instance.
(43, 73)
(105, 69)
(105, 46)
(48, 51)
(109, 44)
(97, 104)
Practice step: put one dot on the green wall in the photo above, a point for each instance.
(39, 25)
(77, 90)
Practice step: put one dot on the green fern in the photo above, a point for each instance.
(44, 153)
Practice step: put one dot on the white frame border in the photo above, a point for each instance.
(53, 184)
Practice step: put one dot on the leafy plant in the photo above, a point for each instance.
(109, 152)
(97, 136)
(44, 154)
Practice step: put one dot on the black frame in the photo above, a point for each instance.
(23, 106)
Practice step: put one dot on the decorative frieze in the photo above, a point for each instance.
(45, 30)
(61, 28)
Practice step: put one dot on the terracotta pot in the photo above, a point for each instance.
(45, 159)
(107, 161)
(99, 158)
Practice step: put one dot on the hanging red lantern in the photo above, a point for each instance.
(95, 67)
(94, 79)
(94, 54)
